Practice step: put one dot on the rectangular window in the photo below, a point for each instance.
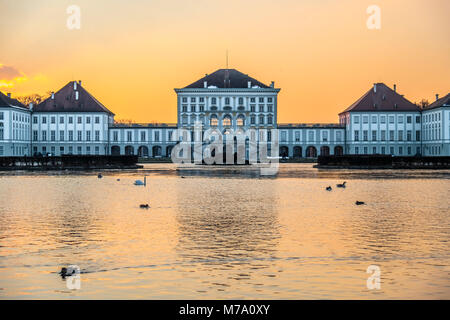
(374, 150)
(252, 108)
(338, 136)
(283, 136)
(383, 150)
(325, 136)
(157, 136)
(269, 108)
(88, 120)
(61, 150)
(400, 150)
(365, 119)
(53, 119)
(297, 136)
(70, 135)
(97, 135)
(383, 135)
(391, 135)
(391, 119)
(383, 119)
(408, 119)
(365, 135)
(80, 135)
(97, 150)
(35, 135)
(61, 120)
(400, 135)
(356, 119)
(408, 135)
(115, 136)
(261, 108)
(44, 120)
(53, 135)
(35, 119)
(97, 120)
(70, 119)
(356, 150)
(417, 135)
(391, 150)
(129, 136)
(79, 150)
(374, 119)
(88, 150)
(80, 120)
(417, 119)
(61, 135)
(142, 135)
(88, 136)
(400, 119)
(356, 135)
(374, 135)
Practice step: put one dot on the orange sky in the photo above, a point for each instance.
(131, 54)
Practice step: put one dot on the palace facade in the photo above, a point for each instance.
(72, 121)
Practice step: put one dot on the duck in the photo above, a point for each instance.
(140, 182)
(99, 176)
(118, 179)
(144, 206)
(329, 188)
(66, 272)
(359, 203)
(183, 177)
(341, 185)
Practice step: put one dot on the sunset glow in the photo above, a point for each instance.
(131, 55)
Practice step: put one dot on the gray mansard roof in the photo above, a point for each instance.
(226, 78)
(381, 98)
(65, 101)
(6, 101)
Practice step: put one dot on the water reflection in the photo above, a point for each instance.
(227, 230)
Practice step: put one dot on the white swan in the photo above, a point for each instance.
(140, 183)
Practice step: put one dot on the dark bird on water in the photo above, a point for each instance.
(329, 188)
(358, 203)
(144, 206)
(99, 176)
(66, 272)
(341, 185)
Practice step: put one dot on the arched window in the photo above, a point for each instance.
(214, 121)
(261, 119)
(226, 121)
(240, 121)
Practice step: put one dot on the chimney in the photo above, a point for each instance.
(249, 84)
(437, 96)
(205, 84)
(76, 95)
(53, 95)
(31, 106)
(74, 85)
(272, 84)
(375, 87)
(9, 95)
(395, 88)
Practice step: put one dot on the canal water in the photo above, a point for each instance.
(214, 233)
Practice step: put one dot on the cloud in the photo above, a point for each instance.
(9, 76)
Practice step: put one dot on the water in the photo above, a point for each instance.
(225, 234)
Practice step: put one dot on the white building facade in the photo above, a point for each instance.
(72, 121)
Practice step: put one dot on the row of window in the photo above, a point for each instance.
(193, 108)
(228, 100)
(312, 136)
(143, 136)
(432, 117)
(70, 120)
(68, 150)
(374, 119)
(382, 137)
(70, 137)
(383, 149)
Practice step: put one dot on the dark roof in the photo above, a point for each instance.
(65, 101)
(6, 101)
(440, 102)
(226, 78)
(384, 99)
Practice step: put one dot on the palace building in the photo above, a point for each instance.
(72, 121)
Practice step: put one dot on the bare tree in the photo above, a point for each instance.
(422, 104)
(33, 98)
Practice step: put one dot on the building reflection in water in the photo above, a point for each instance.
(226, 226)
